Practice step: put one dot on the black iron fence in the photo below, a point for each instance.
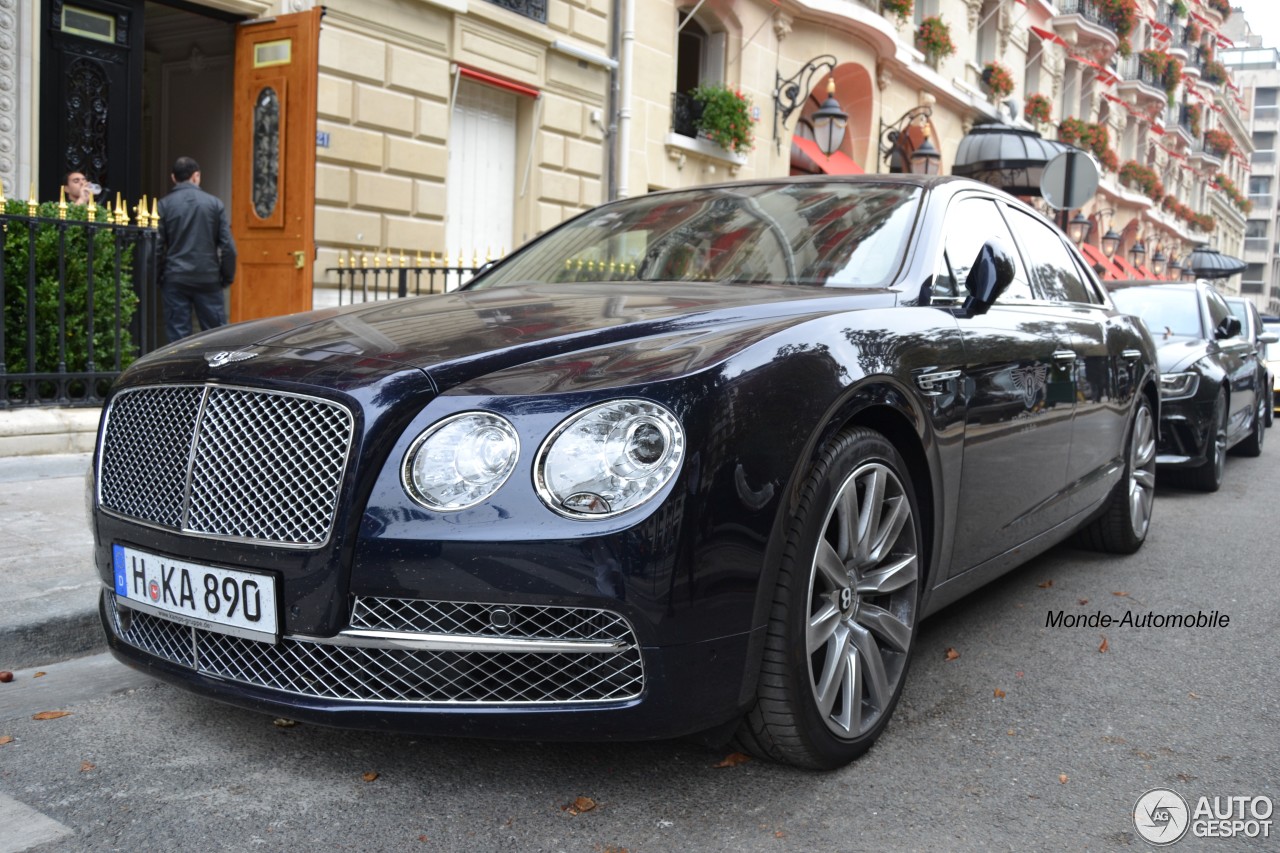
(77, 301)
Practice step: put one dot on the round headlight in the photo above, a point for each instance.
(460, 461)
(609, 458)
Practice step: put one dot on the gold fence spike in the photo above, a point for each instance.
(488, 254)
(33, 206)
(155, 213)
(475, 257)
(364, 260)
(2, 200)
(404, 259)
(140, 213)
(417, 258)
(90, 210)
(342, 261)
(62, 202)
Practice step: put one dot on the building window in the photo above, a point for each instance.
(535, 9)
(700, 50)
(1264, 145)
(922, 9)
(1265, 103)
(988, 32)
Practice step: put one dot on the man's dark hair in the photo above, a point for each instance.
(184, 168)
(67, 176)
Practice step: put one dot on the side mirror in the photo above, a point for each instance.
(1269, 338)
(1228, 328)
(990, 274)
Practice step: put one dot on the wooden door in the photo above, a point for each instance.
(274, 164)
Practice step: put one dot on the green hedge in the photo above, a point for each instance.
(108, 307)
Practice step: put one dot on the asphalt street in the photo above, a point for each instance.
(1033, 737)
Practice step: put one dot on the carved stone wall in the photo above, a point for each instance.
(9, 96)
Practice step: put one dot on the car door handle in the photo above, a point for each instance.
(1131, 354)
(1065, 356)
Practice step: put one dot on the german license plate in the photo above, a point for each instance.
(230, 601)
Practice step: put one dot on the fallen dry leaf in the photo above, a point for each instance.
(779, 834)
(40, 674)
(1102, 648)
(1194, 695)
(1121, 594)
(423, 838)
(999, 694)
(86, 766)
(733, 759)
(5, 676)
(283, 723)
(1062, 778)
(952, 654)
(1011, 733)
(370, 776)
(579, 805)
(6, 739)
(1046, 584)
(1084, 601)
(50, 715)
(1018, 674)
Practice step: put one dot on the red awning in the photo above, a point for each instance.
(1100, 261)
(1105, 76)
(838, 163)
(1146, 273)
(1048, 35)
(498, 82)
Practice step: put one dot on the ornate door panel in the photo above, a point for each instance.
(90, 112)
(274, 164)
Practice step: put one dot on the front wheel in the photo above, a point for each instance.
(1123, 525)
(843, 620)
(1208, 477)
(1252, 446)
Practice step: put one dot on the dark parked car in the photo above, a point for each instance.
(1271, 325)
(1251, 329)
(1213, 398)
(694, 462)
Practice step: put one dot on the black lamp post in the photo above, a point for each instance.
(925, 159)
(1110, 242)
(1078, 228)
(1158, 260)
(829, 122)
(1175, 268)
(786, 93)
(1137, 254)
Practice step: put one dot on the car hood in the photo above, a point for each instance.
(460, 336)
(1178, 352)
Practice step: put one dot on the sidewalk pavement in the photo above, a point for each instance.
(49, 611)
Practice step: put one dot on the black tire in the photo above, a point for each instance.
(1208, 477)
(1252, 446)
(846, 606)
(1271, 406)
(1122, 527)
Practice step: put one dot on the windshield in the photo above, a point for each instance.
(1166, 311)
(818, 234)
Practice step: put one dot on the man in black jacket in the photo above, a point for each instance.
(195, 254)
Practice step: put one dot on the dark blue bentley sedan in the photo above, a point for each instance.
(695, 462)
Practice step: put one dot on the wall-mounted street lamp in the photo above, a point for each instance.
(894, 141)
(1078, 228)
(787, 93)
(1158, 261)
(1175, 268)
(829, 122)
(1137, 254)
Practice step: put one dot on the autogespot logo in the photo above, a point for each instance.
(1161, 816)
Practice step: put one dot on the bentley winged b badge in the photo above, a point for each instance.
(1030, 381)
(217, 359)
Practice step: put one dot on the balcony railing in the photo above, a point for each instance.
(1255, 244)
(685, 113)
(1133, 68)
(535, 9)
(1264, 156)
(1265, 113)
(1261, 202)
(1086, 9)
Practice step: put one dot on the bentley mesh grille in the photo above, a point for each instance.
(375, 674)
(526, 621)
(225, 462)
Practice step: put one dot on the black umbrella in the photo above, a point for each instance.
(1210, 263)
(1011, 158)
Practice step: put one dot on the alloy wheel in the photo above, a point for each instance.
(863, 596)
(1142, 471)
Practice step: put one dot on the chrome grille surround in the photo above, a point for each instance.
(527, 621)
(331, 669)
(225, 462)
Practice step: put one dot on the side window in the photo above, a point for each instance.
(1053, 273)
(1218, 310)
(971, 222)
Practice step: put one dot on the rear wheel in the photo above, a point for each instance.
(1123, 525)
(844, 613)
(1208, 477)
(1252, 446)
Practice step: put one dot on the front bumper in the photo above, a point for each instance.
(626, 692)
